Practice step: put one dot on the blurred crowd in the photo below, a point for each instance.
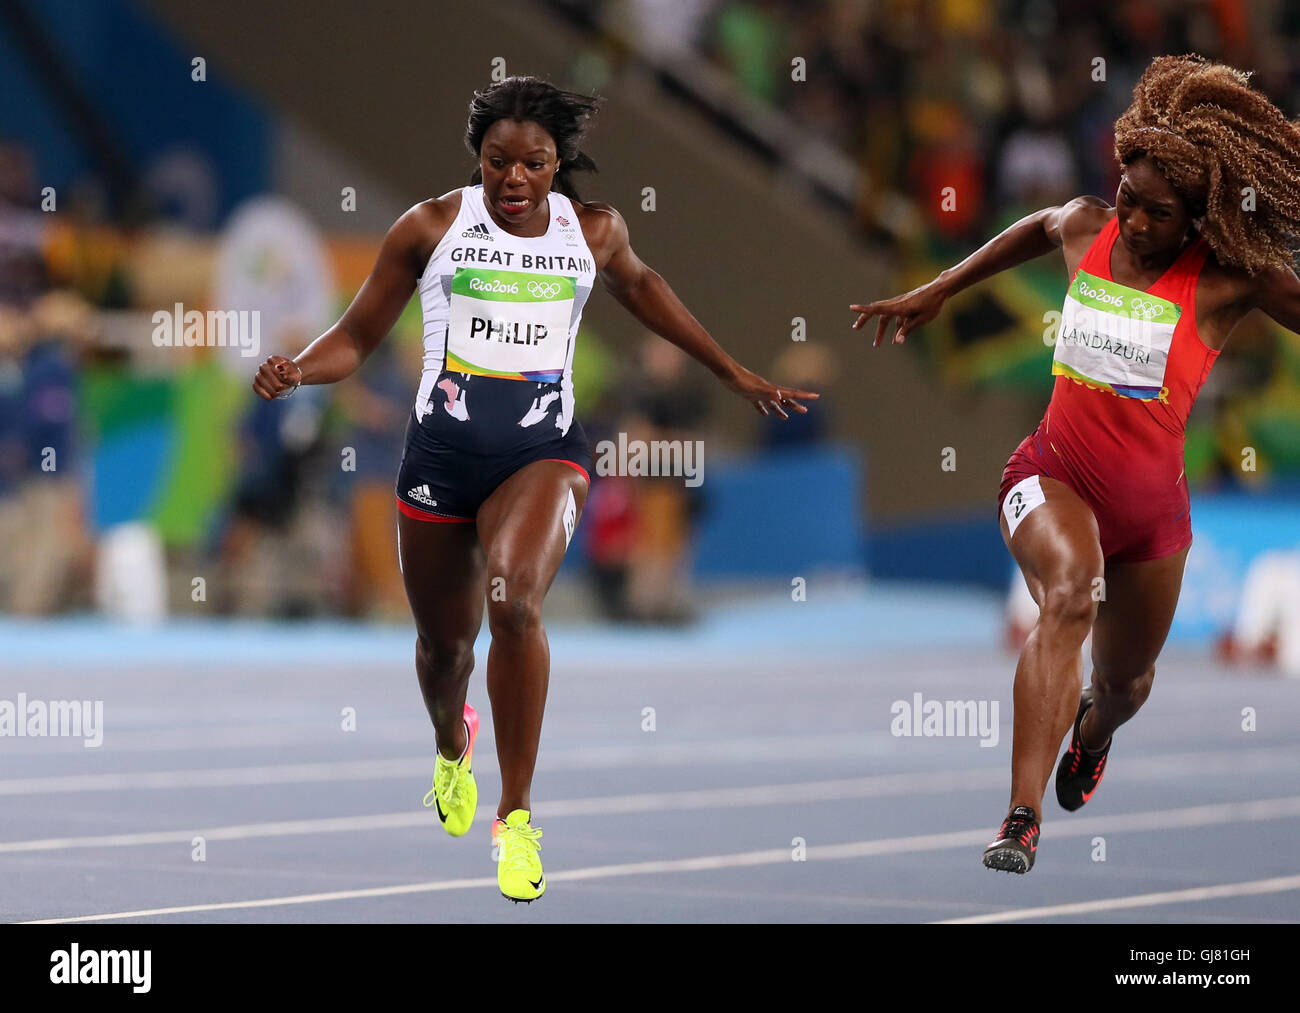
(1010, 102)
(962, 116)
(637, 530)
(42, 334)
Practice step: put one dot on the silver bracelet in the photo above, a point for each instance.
(290, 392)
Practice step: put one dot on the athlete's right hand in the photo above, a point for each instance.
(276, 375)
(917, 307)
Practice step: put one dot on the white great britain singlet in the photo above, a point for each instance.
(501, 317)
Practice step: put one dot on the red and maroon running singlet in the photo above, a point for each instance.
(1129, 364)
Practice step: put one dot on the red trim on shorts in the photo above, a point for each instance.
(422, 515)
(571, 464)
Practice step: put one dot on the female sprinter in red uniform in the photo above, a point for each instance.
(495, 470)
(1202, 232)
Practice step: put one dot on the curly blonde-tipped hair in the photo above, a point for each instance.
(1211, 136)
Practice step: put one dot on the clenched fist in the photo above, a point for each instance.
(275, 376)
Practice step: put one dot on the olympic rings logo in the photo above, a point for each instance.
(543, 289)
(1145, 309)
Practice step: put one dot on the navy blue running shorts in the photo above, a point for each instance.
(440, 482)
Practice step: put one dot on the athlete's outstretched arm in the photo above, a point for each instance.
(1032, 236)
(1278, 295)
(648, 298)
(340, 351)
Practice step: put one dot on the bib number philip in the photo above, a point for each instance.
(509, 324)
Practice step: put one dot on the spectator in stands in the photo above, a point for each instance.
(377, 407)
(668, 404)
(53, 544)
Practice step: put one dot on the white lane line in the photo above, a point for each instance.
(244, 736)
(738, 751)
(306, 898)
(221, 777)
(854, 747)
(1233, 812)
(1278, 884)
(284, 828)
(710, 798)
(878, 786)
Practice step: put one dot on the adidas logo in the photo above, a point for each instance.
(479, 231)
(421, 494)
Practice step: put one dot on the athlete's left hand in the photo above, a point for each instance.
(764, 395)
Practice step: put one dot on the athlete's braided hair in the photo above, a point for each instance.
(564, 115)
(1211, 135)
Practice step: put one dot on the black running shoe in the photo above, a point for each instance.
(1079, 772)
(1017, 842)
